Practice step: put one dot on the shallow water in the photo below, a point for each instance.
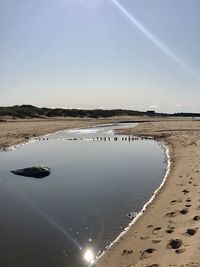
(83, 203)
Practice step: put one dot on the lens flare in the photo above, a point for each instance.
(155, 40)
(50, 220)
(89, 256)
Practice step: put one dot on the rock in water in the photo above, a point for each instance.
(35, 172)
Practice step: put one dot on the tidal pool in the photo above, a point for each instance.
(95, 186)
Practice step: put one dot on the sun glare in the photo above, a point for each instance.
(89, 256)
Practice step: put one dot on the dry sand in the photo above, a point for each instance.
(174, 210)
(173, 214)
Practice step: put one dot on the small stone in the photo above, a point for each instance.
(35, 172)
(196, 218)
(169, 231)
(179, 251)
(184, 211)
(191, 231)
(175, 243)
(126, 252)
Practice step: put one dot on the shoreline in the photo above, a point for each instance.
(145, 206)
(14, 133)
(173, 209)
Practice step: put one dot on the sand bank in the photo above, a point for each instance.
(13, 132)
(173, 214)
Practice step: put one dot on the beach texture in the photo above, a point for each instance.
(168, 231)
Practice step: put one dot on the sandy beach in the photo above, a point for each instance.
(13, 132)
(167, 233)
(174, 214)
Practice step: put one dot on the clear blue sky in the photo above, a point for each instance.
(134, 54)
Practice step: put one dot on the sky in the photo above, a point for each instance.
(130, 54)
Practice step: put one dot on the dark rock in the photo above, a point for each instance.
(169, 231)
(179, 251)
(185, 191)
(35, 172)
(191, 231)
(184, 211)
(175, 243)
(196, 218)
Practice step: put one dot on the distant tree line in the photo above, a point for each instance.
(29, 111)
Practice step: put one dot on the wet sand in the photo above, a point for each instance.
(168, 231)
(13, 132)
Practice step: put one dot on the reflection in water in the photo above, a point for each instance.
(89, 256)
(70, 216)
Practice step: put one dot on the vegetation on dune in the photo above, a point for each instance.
(29, 111)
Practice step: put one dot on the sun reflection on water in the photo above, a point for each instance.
(89, 256)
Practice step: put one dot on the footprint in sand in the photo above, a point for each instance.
(171, 214)
(147, 252)
(185, 191)
(156, 230)
(156, 241)
(144, 237)
(173, 202)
